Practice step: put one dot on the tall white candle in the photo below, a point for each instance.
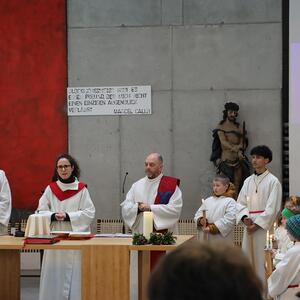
(274, 226)
(267, 239)
(147, 223)
(271, 241)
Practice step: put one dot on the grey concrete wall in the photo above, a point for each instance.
(196, 55)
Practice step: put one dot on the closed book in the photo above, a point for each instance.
(42, 239)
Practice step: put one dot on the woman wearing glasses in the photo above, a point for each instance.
(68, 204)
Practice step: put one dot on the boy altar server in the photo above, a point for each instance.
(217, 215)
(259, 203)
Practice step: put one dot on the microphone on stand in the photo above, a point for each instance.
(124, 180)
(123, 191)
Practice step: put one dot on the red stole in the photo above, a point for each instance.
(64, 195)
(166, 189)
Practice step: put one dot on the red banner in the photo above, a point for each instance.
(33, 81)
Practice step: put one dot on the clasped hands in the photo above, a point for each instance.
(251, 226)
(143, 207)
(60, 216)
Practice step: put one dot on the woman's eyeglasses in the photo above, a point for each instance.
(63, 167)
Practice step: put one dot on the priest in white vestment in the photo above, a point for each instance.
(258, 206)
(68, 205)
(156, 193)
(5, 203)
(143, 195)
(283, 284)
(216, 216)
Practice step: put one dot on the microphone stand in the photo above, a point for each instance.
(123, 192)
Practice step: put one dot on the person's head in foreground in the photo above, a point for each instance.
(210, 271)
(293, 227)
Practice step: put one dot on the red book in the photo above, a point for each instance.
(42, 239)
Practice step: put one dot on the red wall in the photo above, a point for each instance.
(33, 80)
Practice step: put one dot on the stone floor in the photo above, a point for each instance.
(30, 288)
(30, 281)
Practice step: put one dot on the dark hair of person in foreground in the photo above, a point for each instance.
(198, 270)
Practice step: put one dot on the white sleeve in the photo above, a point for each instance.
(285, 272)
(129, 208)
(5, 199)
(44, 206)
(167, 215)
(198, 214)
(82, 218)
(241, 205)
(227, 222)
(266, 219)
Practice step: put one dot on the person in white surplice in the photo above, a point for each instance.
(154, 192)
(5, 203)
(283, 284)
(69, 207)
(284, 243)
(258, 205)
(220, 212)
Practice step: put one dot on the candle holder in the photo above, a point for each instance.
(268, 262)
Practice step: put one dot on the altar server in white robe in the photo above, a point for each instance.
(283, 284)
(291, 208)
(154, 192)
(5, 203)
(216, 216)
(258, 206)
(68, 205)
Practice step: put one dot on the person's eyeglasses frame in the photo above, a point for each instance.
(64, 167)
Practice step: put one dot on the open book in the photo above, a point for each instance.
(114, 235)
(69, 235)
